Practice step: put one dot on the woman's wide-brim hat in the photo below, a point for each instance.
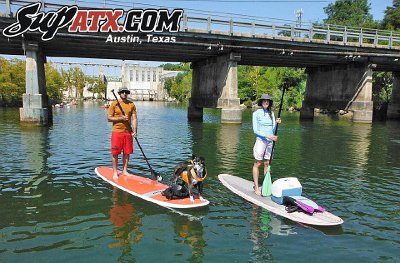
(265, 97)
(120, 90)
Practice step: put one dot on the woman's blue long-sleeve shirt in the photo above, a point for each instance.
(263, 125)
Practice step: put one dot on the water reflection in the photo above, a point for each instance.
(259, 234)
(190, 233)
(127, 223)
(35, 143)
(272, 224)
(359, 145)
(227, 145)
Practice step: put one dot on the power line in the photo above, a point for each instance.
(257, 1)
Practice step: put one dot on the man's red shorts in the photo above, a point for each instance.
(121, 141)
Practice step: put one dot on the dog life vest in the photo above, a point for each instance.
(193, 172)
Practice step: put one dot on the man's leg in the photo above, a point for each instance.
(115, 166)
(125, 164)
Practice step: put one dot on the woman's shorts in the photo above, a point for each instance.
(121, 141)
(262, 150)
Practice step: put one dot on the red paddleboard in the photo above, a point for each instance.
(147, 189)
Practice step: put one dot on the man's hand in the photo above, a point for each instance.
(278, 120)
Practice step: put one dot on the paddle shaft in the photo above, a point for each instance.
(267, 184)
(277, 124)
(130, 128)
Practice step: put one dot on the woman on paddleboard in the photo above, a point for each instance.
(264, 124)
(121, 136)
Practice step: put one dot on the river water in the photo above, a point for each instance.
(55, 209)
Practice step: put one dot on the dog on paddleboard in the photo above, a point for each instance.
(192, 174)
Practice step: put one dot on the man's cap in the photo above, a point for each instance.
(120, 90)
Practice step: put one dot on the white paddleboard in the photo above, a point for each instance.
(244, 188)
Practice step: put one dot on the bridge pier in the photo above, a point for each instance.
(214, 85)
(35, 106)
(393, 111)
(347, 87)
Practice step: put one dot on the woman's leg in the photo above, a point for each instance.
(266, 163)
(256, 168)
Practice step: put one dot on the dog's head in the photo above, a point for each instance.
(199, 165)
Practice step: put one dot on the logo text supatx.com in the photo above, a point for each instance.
(97, 20)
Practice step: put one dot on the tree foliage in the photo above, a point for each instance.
(182, 86)
(176, 67)
(179, 87)
(72, 81)
(391, 20)
(349, 13)
(96, 85)
(54, 83)
(254, 81)
(12, 82)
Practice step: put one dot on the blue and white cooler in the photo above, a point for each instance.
(289, 186)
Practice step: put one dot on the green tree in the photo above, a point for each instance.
(382, 87)
(54, 83)
(350, 13)
(67, 84)
(391, 20)
(74, 81)
(176, 67)
(12, 82)
(168, 84)
(182, 87)
(254, 81)
(96, 85)
(246, 91)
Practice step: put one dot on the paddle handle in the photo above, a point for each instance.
(277, 124)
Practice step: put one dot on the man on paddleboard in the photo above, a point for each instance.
(121, 135)
(264, 124)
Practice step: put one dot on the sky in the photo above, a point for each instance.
(279, 11)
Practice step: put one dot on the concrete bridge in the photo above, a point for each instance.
(339, 60)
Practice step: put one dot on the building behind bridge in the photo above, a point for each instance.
(145, 83)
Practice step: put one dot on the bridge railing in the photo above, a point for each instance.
(329, 34)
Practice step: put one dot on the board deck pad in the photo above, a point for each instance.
(244, 188)
(147, 189)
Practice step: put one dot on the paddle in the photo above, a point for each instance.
(267, 183)
(154, 175)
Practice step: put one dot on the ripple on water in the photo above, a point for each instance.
(52, 201)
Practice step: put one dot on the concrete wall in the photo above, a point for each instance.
(340, 87)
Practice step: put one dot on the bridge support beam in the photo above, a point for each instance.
(393, 111)
(214, 85)
(340, 87)
(36, 109)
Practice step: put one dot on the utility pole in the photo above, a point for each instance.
(299, 15)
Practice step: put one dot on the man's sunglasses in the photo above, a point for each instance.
(126, 92)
